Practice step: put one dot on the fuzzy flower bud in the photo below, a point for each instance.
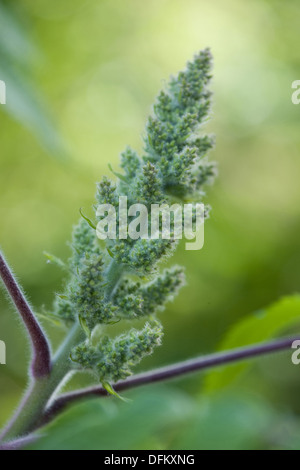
(113, 359)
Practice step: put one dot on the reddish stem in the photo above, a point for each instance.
(169, 372)
(41, 361)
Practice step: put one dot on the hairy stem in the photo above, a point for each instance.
(41, 390)
(19, 443)
(171, 372)
(41, 361)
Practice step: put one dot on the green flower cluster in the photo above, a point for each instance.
(112, 359)
(107, 285)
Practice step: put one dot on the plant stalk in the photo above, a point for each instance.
(41, 390)
(41, 361)
(172, 372)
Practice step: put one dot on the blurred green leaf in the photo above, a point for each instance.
(163, 418)
(226, 423)
(14, 41)
(107, 424)
(254, 329)
(23, 103)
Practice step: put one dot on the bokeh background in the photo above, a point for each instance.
(81, 77)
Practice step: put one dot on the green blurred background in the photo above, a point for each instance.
(81, 77)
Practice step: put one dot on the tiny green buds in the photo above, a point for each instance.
(120, 280)
(112, 360)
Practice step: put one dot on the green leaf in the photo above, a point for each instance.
(84, 326)
(113, 322)
(14, 41)
(91, 224)
(109, 424)
(110, 253)
(107, 386)
(255, 328)
(52, 318)
(63, 296)
(23, 102)
(226, 422)
(54, 260)
(118, 175)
